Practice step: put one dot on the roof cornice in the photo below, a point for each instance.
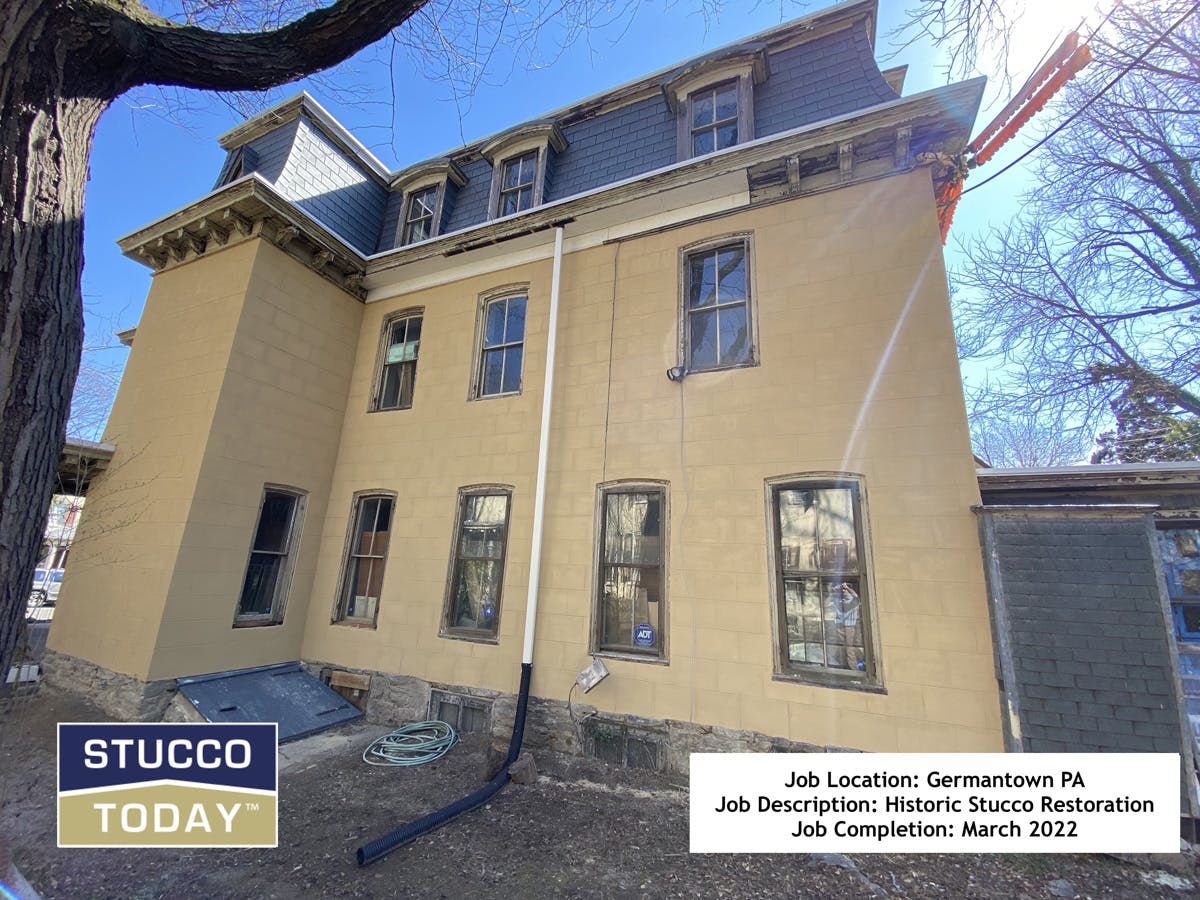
(251, 207)
(1122, 475)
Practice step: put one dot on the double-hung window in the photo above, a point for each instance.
(477, 563)
(366, 553)
(398, 365)
(716, 324)
(501, 346)
(518, 176)
(268, 571)
(822, 583)
(419, 218)
(630, 613)
(1180, 549)
(713, 118)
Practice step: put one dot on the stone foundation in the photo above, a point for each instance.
(123, 697)
(576, 729)
(551, 725)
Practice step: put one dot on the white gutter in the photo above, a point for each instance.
(539, 491)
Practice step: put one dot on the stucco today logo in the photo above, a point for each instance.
(167, 785)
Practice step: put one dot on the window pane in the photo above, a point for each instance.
(363, 587)
(515, 330)
(702, 142)
(389, 395)
(632, 597)
(258, 589)
(734, 336)
(726, 135)
(512, 173)
(524, 198)
(483, 521)
(702, 275)
(512, 370)
(493, 368)
(727, 102)
(528, 168)
(816, 530)
(423, 203)
(702, 109)
(274, 522)
(703, 339)
(476, 594)
(731, 269)
(493, 332)
(509, 204)
(632, 528)
(418, 231)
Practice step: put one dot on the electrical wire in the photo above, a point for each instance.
(411, 745)
(1079, 112)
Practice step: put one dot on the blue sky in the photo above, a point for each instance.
(145, 164)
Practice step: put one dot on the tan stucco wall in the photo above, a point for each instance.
(128, 539)
(858, 374)
(238, 378)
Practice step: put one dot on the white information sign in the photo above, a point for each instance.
(935, 803)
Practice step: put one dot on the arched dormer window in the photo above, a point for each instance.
(713, 99)
(520, 159)
(428, 192)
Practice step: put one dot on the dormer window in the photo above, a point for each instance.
(418, 222)
(517, 181)
(520, 159)
(714, 118)
(713, 99)
(428, 192)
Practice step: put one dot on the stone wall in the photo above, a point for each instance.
(123, 697)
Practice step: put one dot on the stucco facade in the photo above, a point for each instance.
(257, 364)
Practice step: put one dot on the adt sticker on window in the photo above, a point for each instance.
(162, 785)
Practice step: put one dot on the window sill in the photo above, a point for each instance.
(633, 657)
(381, 409)
(354, 623)
(470, 637)
(753, 364)
(516, 393)
(829, 680)
(255, 623)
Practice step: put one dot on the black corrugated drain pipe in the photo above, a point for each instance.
(382, 846)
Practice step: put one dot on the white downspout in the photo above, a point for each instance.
(539, 494)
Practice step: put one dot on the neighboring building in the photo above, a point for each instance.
(760, 481)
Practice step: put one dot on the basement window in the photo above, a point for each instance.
(822, 584)
(269, 569)
(466, 715)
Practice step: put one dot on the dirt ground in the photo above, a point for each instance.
(582, 830)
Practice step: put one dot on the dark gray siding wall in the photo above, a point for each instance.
(636, 138)
(328, 185)
(818, 80)
(391, 221)
(471, 206)
(1086, 631)
(272, 149)
(826, 77)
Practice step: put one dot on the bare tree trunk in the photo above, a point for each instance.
(62, 62)
(45, 138)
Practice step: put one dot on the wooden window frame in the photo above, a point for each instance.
(477, 635)
(381, 363)
(603, 491)
(871, 679)
(475, 391)
(339, 616)
(437, 174)
(435, 213)
(712, 245)
(274, 616)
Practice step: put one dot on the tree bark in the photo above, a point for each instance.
(62, 62)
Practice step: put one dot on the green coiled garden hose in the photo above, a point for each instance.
(411, 745)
